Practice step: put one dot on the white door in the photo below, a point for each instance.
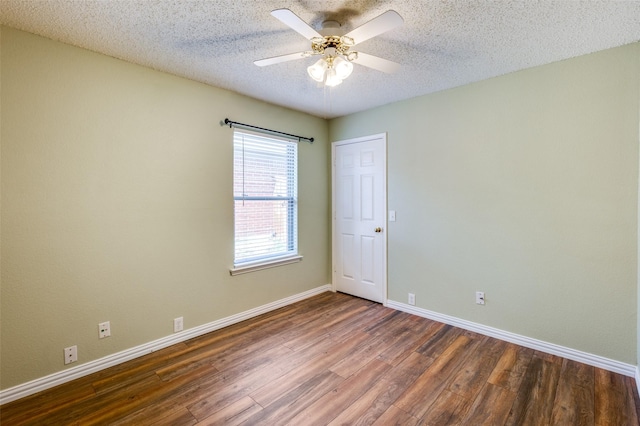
(359, 217)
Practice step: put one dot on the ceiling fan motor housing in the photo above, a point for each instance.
(331, 27)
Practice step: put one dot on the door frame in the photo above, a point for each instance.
(334, 144)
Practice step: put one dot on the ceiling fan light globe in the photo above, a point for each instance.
(332, 78)
(333, 82)
(347, 41)
(343, 68)
(317, 70)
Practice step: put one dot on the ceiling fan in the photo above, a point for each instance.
(336, 50)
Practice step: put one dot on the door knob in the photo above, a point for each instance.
(378, 229)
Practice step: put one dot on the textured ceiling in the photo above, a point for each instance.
(442, 44)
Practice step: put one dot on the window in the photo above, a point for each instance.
(265, 174)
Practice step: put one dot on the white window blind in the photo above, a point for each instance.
(265, 174)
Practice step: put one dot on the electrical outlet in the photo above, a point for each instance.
(480, 297)
(70, 354)
(412, 299)
(104, 329)
(178, 324)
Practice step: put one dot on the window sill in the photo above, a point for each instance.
(252, 267)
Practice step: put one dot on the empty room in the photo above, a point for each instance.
(410, 212)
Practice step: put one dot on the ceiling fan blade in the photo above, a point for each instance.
(278, 59)
(289, 18)
(377, 63)
(383, 23)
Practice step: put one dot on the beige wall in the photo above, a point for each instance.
(116, 205)
(523, 186)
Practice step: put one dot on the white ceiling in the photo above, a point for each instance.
(442, 44)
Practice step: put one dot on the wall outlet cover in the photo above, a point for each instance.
(178, 324)
(104, 329)
(70, 354)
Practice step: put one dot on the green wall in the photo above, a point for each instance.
(525, 187)
(117, 205)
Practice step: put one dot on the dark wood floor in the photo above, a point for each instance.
(339, 360)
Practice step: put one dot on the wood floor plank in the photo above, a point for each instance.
(327, 407)
(574, 404)
(394, 320)
(120, 376)
(613, 404)
(403, 375)
(306, 337)
(324, 317)
(379, 398)
(453, 403)
(336, 359)
(534, 403)
(233, 390)
(491, 407)
(190, 388)
(395, 417)
(262, 369)
(266, 395)
(281, 411)
(42, 405)
(634, 401)
(448, 409)
(179, 417)
(554, 359)
(409, 341)
(440, 341)
(358, 323)
(233, 414)
(308, 309)
(62, 399)
(110, 406)
(360, 356)
(419, 397)
(222, 352)
(511, 367)
(154, 415)
(475, 371)
(366, 409)
(223, 355)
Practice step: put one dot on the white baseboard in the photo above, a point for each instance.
(55, 379)
(551, 348)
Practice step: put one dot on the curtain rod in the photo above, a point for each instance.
(235, 123)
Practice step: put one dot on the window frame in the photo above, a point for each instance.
(291, 255)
